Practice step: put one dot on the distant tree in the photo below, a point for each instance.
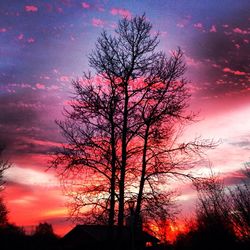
(3, 213)
(44, 229)
(122, 126)
(4, 165)
(214, 227)
(222, 216)
(44, 237)
(213, 208)
(240, 206)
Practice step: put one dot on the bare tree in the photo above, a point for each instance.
(225, 207)
(4, 165)
(123, 123)
(213, 203)
(240, 203)
(90, 156)
(44, 229)
(3, 213)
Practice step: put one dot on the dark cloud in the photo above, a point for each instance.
(223, 54)
(239, 177)
(242, 144)
(27, 122)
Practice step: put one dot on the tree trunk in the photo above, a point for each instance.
(112, 180)
(124, 159)
(142, 180)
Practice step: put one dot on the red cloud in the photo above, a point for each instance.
(85, 5)
(3, 30)
(235, 72)
(121, 12)
(40, 86)
(97, 22)
(240, 31)
(31, 8)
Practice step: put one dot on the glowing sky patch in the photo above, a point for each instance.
(30, 177)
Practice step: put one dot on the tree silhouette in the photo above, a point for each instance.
(4, 165)
(240, 204)
(222, 216)
(214, 214)
(44, 229)
(123, 124)
(3, 213)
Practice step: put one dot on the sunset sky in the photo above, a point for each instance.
(44, 45)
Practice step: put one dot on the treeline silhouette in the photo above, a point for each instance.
(222, 216)
(14, 237)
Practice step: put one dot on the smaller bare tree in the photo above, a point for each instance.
(240, 200)
(4, 165)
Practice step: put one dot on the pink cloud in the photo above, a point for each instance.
(113, 25)
(64, 78)
(192, 62)
(53, 87)
(101, 9)
(31, 8)
(180, 25)
(40, 86)
(43, 142)
(237, 46)
(213, 29)
(235, 72)
(121, 12)
(198, 25)
(3, 30)
(97, 22)
(240, 31)
(85, 5)
(31, 40)
(59, 10)
(184, 22)
(20, 36)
